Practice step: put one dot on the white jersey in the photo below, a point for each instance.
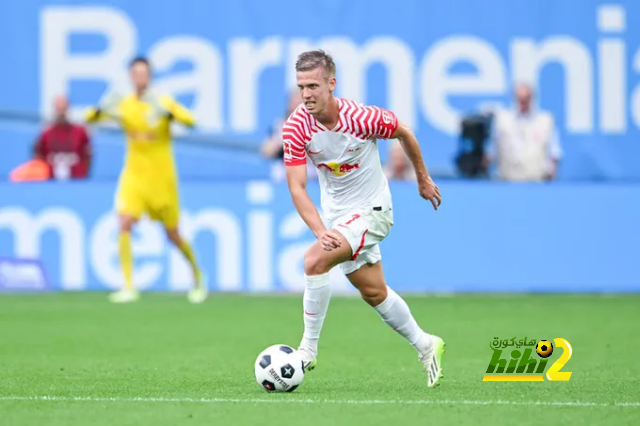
(349, 169)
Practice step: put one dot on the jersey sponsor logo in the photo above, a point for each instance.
(338, 169)
(387, 118)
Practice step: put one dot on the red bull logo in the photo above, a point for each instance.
(338, 169)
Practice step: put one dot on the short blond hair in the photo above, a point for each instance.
(313, 59)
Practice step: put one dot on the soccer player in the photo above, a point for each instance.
(340, 137)
(148, 182)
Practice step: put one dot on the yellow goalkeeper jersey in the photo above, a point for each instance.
(149, 154)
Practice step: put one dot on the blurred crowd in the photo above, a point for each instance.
(516, 143)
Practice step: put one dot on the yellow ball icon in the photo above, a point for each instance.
(544, 348)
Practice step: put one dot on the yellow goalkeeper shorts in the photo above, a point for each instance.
(159, 204)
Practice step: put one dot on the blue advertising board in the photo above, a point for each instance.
(430, 62)
(248, 237)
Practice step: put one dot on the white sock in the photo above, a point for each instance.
(317, 294)
(395, 312)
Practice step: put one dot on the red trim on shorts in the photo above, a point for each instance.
(355, 255)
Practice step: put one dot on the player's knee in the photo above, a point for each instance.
(315, 263)
(374, 295)
(173, 235)
(126, 225)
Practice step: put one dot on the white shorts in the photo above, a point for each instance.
(364, 229)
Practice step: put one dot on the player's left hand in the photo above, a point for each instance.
(108, 105)
(430, 191)
(158, 110)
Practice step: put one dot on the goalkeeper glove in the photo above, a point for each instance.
(109, 104)
(158, 110)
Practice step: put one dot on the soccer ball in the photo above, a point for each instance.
(279, 369)
(544, 348)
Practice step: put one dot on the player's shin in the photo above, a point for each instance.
(126, 259)
(316, 298)
(190, 256)
(396, 313)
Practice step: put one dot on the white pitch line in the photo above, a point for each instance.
(318, 401)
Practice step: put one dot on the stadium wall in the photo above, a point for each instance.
(232, 63)
(485, 237)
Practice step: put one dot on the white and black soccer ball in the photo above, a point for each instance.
(279, 369)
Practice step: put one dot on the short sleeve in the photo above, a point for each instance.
(294, 141)
(379, 122)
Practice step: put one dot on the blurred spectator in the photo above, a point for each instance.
(398, 166)
(272, 147)
(65, 146)
(524, 142)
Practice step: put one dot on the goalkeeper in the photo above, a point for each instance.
(148, 182)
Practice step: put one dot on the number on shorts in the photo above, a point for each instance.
(354, 217)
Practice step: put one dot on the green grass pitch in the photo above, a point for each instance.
(74, 359)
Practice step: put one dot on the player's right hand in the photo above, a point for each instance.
(430, 191)
(330, 239)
